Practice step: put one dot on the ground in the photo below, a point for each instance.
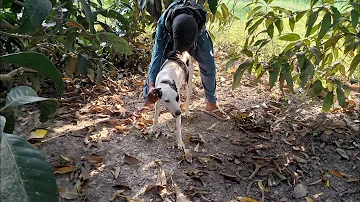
(274, 148)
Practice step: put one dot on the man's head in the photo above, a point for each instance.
(184, 32)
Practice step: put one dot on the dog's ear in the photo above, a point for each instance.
(158, 92)
(173, 85)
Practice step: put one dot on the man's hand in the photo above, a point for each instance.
(152, 95)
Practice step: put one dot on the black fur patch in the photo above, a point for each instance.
(158, 92)
(171, 84)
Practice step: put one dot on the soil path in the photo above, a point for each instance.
(273, 149)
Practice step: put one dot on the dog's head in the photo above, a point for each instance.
(168, 94)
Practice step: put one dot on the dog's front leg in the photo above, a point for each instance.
(189, 89)
(178, 133)
(153, 129)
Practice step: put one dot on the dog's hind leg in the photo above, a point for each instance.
(189, 88)
(180, 142)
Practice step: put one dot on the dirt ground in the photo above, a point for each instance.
(274, 148)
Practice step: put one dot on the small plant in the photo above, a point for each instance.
(324, 59)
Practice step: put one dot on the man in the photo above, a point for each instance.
(182, 28)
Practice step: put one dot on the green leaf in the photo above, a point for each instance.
(25, 172)
(331, 42)
(336, 12)
(354, 64)
(255, 26)
(317, 87)
(274, 74)
(2, 124)
(230, 62)
(354, 18)
(268, 1)
(22, 95)
(328, 101)
(249, 14)
(47, 109)
(288, 77)
(300, 15)
(225, 11)
(119, 44)
(89, 15)
(315, 51)
(240, 71)
(301, 59)
(247, 52)
(9, 114)
(341, 97)
(292, 23)
(280, 25)
(39, 63)
(213, 5)
(307, 71)
(83, 65)
(310, 23)
(313, 2)
(290, 37)
(325, 25)
(35, 12)
(270, 30)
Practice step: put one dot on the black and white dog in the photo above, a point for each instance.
(168, 82)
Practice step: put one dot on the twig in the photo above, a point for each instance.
(257, 168)
(10, 75)
(22, 36)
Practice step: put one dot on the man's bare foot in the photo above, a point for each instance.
(214, 110)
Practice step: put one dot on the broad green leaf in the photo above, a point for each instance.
(9, 114)
(270, 30)
(115, 15)
(35, 12)
(239, 73)
(258, 42)
(328, 101)
(290, 37)
(2, 124)
(231, 61)
(39, 63)
(29, 176)
(354, 64)
(22, 95)
(247, 52)
(119, 44)
(300, 15)
(331, 2)
(287, 75)
(317, 87)
(341, 97)
(268, 1)
(213, 5)
(225, 11)
(336, 12)
(279, 25)
(274, 74)
(89, 15)
(315, 51)
(325, 25)
(47, 109)
(255, 26)
(301, 58)
(354, 18)
(289, 46)
(291, 23)
(263, 43)
(313, 2)
(307, 71)
(310, 23)
(249, 14)
(331, 42)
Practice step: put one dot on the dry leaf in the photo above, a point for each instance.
(342, 153)
(187, 138)
(308, 199)
(131, 160)
(116, 172)
(116, 193)
(328, 132)
(63, 170)
(180, 197)
(291, 138)
(161, 177)
(122, 128)
(95, 161)
(246, 199)
(300, 191)
(236, 142)
(67, 193)
(196, 149)
(338, 174)
(353, 180)
(66, 159)
(85, 174)
(37, 134)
